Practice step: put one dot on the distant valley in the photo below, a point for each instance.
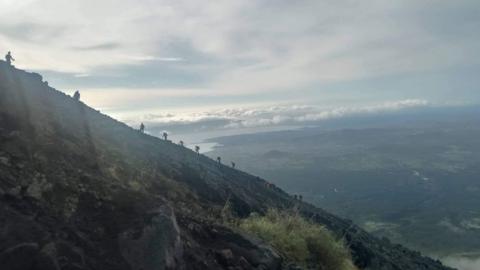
(411, 177)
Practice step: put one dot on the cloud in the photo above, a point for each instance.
(285, 44)
(247, 49)
(291, 115)
(347, 111)
(305, 114)
(155, 58)
(100, 46)
(31, 32)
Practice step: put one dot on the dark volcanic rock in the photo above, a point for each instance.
(79, 190)
(27, 256)
(225, 248)
(155, 246)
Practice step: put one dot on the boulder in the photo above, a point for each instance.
(155, 246)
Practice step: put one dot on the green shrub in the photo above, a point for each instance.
(299, 241)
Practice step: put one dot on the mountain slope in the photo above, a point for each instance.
(79, 190)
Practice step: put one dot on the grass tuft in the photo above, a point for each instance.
(299, 240)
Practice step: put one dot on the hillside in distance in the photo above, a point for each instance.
(80, 190)
(409, 176)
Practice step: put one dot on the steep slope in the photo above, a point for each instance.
(79, 190)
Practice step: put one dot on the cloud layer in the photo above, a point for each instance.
(261, 117)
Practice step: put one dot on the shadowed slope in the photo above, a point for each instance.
(80, 190)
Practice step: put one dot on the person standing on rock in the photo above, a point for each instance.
(142, 128)
(9, 58)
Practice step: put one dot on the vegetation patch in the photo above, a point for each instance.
(299, 240)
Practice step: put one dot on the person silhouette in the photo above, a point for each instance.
(142, 128)
(9, 58)
(76, 95)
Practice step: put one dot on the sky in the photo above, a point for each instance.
(257, 62)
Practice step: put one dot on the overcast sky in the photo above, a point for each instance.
(180, 59)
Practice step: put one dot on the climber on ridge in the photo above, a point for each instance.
(9, 58)
(142, 128)
(76, 95)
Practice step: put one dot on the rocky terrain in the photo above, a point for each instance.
(80, 190)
